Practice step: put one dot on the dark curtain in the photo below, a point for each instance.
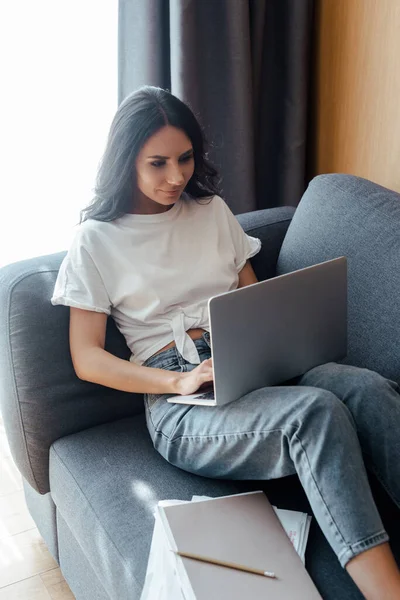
(242, 66)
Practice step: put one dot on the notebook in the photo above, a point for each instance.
(295, 523)
(242, 529)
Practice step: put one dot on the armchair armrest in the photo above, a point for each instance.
(270, 226)
(41, 398)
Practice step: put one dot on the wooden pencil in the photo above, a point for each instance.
(230, 565)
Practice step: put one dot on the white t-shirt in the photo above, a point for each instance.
(155, 273)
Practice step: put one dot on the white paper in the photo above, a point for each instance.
(297, 526)
(163, 581)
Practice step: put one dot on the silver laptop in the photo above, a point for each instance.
(272, 331)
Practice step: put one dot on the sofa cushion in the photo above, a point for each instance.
(346, 215)
(106, 482)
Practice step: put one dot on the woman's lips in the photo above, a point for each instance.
(172, 194)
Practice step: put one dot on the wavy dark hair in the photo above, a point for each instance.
(140, 116)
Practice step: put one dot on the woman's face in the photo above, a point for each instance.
(163, 168)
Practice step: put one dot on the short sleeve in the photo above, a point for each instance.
(79, 283)
(245, 245)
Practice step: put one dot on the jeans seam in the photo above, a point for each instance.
(319, 494)
(369, 537)
(216, 436)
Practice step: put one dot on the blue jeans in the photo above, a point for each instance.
(336, 420)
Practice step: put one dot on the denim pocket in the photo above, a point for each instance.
(171, 360)
(167, 359)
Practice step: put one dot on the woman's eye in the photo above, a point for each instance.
(161, 163)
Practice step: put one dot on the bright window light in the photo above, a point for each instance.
(58, 64)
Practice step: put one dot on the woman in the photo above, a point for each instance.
(155, 244)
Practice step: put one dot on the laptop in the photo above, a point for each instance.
(269, 332)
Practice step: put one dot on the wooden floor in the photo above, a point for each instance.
(27, 569)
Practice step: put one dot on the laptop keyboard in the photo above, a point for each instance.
(206, 396)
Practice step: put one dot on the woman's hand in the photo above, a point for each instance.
(189, 383)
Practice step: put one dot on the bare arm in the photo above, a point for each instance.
(247, 276)
(93, 363)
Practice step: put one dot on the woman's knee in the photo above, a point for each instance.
(325, 423)
(326, 376)
(365, 390)
(348, 382)
(324, 407)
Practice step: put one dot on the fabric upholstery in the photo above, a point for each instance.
(82, 578)
(43, 512)
(343, 215)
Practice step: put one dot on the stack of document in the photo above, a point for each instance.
(170, 577)
(297, 526)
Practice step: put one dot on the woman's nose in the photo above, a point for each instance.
(175, 176)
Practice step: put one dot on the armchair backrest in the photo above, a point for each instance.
(346, 215)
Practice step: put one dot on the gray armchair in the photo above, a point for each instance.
(91, 474)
